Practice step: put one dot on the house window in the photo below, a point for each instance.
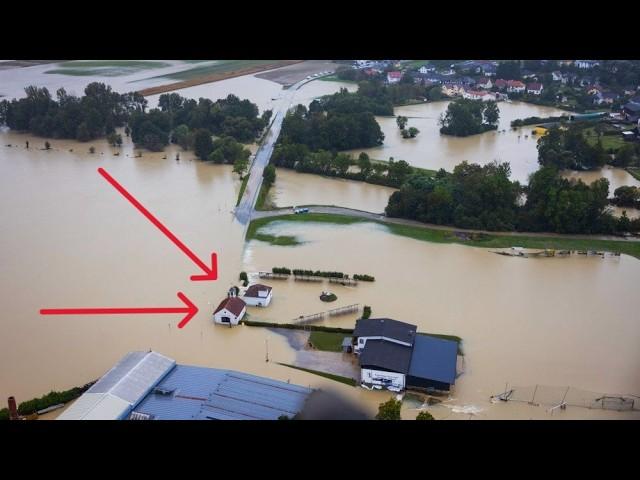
(226, 320)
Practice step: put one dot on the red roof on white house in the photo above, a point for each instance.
(534, 86)
(515, 83)
(233, 304)
(253, 290)
(394, 74)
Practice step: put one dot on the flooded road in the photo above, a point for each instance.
(557, 321)
(292, 188)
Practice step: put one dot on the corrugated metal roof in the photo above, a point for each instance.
(121, 388)
(434, 359)
(207, 393)
(389, 355)
(385, 327)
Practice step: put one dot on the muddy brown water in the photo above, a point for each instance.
(70, 240)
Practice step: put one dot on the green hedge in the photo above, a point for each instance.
(364, 278)
(293, 326)
(283, 270)
(46, 401)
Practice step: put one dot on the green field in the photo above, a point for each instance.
(327, 341)
(107, 68)
(446, 236)
(608, 141)
(634, 172)
(331, 376)
(220, 66)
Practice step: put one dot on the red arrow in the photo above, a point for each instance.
(210, 273)
(190, 310)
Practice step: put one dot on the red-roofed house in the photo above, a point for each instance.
(394, 77)
(230, 311)
(478, 95)
(515, 86)
(484, 83)
(534, 88)
(500, 84)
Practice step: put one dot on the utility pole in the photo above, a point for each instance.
(266, 342)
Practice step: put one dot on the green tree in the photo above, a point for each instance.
(411, 132)
(389, 410)
(240, 166)
(47, 146)
(364, 164)
(92, 149)
(269, 175)
(491, 113)
(424, 415)
(366, 311)
(202, 144)
(401, 121)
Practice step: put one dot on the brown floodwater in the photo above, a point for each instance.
(432, 150)
(617, 177)
(555, 322)
(292, 188)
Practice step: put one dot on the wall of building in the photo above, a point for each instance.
(258, 302)
(226, 313)
(375, 377)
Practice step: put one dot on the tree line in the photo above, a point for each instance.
(185, 121)
(96, 114)
(569, 149)
(483, 197)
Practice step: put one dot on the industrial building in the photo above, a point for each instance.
(151, 386)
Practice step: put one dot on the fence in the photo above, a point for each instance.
(560, 397)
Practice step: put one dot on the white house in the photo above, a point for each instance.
(478, 95)
(515, 86)
(394, 77)
(230, 311)
(534, 88)
(258, 295)
(586, 64)
(484, 83)
(452, 89)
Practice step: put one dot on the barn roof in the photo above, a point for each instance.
(233, 304)
(385, 327)
(253, 290)
(388, 355)
(433, 359)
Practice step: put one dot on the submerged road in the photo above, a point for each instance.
(245, 208)
(381, 217)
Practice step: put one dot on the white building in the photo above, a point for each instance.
(485, 83)
(424, 69)
(230, 311)
(478, 95)
(534, 88)
(258, 295)
(586, 64)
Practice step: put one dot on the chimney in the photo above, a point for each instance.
(13, 409)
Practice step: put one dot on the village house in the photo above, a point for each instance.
(500, 84)
(594, 90)
(230, 311)
(515, 86)
(394, 356)
(452, 89)
(394, 77)
(586, 64)
(631, 111)
(426, 69)
(484, 83)
(605, 97)
(258, 295)
(478, 95)
(534, 88)
(558, 76)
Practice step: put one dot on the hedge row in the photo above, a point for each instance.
(283, 270)
(318, 273)
(533, 120)
(364, 278)
(46, 401)
(293, 326)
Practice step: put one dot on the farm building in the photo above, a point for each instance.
(393, 356)
(258, 295)
(150, 386)
(230, 311)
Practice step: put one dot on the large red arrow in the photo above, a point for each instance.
(210, 273)
(190, 310)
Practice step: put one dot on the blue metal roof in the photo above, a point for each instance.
(434, 359)
(199, 393)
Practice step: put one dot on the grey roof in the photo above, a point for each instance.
(434, 359)
(199, 393)
(387, 355)
(385, 327)
(121, 388)
(634, 107)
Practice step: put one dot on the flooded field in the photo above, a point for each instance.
(292, 188)
(617, 177)
(557, 321)
(434, 151)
